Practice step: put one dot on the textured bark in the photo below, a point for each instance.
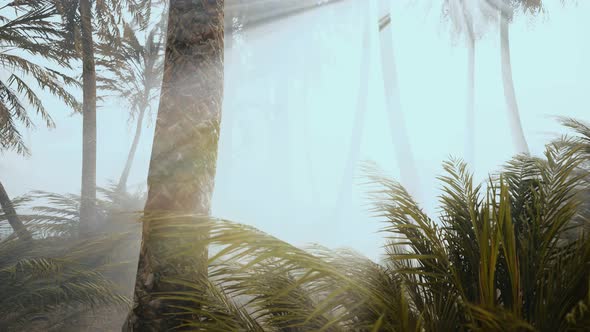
(509, 93)
(122, 186)
(184, 156)
(88, 195)
(470, 113)
(17, 225)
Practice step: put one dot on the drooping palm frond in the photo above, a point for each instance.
(49, 214)
(136, 67)
(271, 285)
(48, 278)
(581, 138)
(61, 281)
(32, 33)
(468, 18)
(108, 16)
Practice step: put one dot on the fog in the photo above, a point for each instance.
(292, 90)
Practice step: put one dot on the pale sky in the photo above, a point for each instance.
(291, 92)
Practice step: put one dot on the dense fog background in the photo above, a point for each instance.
(291, 94)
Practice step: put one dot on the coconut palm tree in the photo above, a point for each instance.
(79, 20)
(346, 184)
(29, 34)
(137, 69)
(184, 154)
(469, 20)
(397, 125)
(382, 24)
(509, 91)
(507, 8)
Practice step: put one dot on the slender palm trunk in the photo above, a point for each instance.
(358, 125)
(509, 93)
(280, 150)
(17, 225)
(397, 124)
(122, 186)
(184, 157)
(88, 195)
(470, 113)
(305, 111)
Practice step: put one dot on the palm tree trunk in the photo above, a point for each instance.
(122, 186)
(17, 225)
(88, 195)
(184, 157)
(399, 131)
(509, 93)
(307, 140)
(470, 114)
(358, 125)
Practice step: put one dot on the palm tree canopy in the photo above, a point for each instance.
(136, 67)
(468, 18)
(31, 33)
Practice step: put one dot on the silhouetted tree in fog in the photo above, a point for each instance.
(86, 22)
(137, 69)
(506, 16)
(30, 31)
(468, 20)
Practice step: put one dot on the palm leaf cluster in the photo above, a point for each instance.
(50, 282)
(136, 68)
(60, 281)
(499, 257)
(256, 282)
(108, 16)
(27, 31)
(510, 255)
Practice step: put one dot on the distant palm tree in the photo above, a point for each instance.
(509, 91)
(368, 25)
(31, 31)
(403, 151)
(184, 156)
(397, 124)
(507, 9)
(137, 69)
(80, 18)
(468, 20)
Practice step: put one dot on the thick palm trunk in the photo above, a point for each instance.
(17, 225)
(122, 186)
(88, 195)
(470, 112)
(184, 156)
(509, 93)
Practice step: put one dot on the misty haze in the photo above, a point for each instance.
(294, 165)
